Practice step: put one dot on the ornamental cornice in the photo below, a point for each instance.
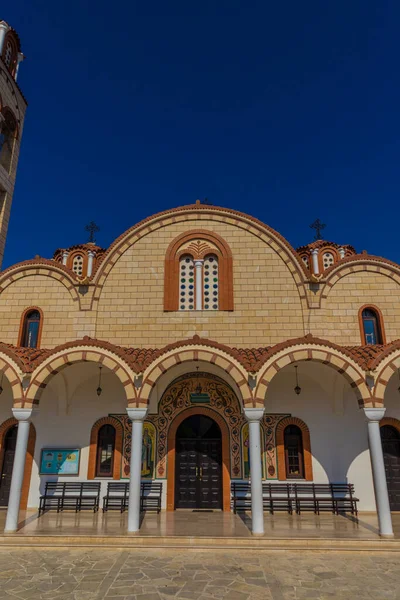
(38, 262)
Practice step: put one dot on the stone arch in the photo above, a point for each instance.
(42, 267)
(12, 371)
(4, 428)
(187, 353)
(199, 212)
(280, 447)
(323, 352)
(382, 368)
(226, 469)
(171, 268)
(73, 353)
(117, 450)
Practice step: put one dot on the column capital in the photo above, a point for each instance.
(315, 252)
(254, 414)
(137, 414)
(23, 414)
(91, 253)
(374, 414)
(198, 262)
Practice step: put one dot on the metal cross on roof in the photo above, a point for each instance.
(318, 226)
(92, 228)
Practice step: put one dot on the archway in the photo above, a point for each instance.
(214, 417)
(198, 464)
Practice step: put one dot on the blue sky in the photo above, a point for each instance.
(286, 110)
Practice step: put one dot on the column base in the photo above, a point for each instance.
(257, 534)
(10, 530)
(386, 535)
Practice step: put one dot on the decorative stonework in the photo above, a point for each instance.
(176, 399)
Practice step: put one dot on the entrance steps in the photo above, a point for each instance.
(200, 543)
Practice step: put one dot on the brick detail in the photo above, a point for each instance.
(340, 362)
(4, 428)
(280, 447)
(93, 447)
(226, 467)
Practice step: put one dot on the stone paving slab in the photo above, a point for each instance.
(150, 574)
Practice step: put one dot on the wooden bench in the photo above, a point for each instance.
(317, 497)
(117, 496)
(150, 495)
(325, 496)
(77, 495)
(275, 496)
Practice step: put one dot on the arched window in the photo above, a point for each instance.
(105, 451)
(327, 260)
(186, 283)
(294, 456)
(77, 264)
(31, 329)
(371, 326)
(198, 273)
(10, 53)
(210, 282)
(8, 132)
(305, 260)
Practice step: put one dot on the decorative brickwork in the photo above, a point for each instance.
(319, 353)
(280, 447)
(117, 450)
(56, 363)
(195, 354)
(4, 428)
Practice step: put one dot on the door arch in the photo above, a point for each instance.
(391, 454)
(225, 466)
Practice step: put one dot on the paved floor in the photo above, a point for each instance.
(94, 574)
(214, 524)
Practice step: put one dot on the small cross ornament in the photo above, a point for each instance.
(318, 226)
(92, 228)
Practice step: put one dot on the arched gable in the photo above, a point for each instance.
(198, 213)
(43, 267)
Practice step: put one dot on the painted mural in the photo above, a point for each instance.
(179, 396)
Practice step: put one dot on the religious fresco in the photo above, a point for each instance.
(148, 450)
(183, 393)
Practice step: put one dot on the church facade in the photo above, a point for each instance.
(201, 340)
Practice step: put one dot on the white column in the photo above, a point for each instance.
(91, 255)
(315, 265)
(342, 252)
(254, 416)
(20, 58)
(137, 416)
(198, 265)
(23, 416)
(65, 257)
(374, 415)
(3, 30)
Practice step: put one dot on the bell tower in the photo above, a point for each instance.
(12, 114)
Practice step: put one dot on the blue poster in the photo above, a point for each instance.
(60, 461)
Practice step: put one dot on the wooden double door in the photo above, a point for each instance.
(391, 455)
(198, 477)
